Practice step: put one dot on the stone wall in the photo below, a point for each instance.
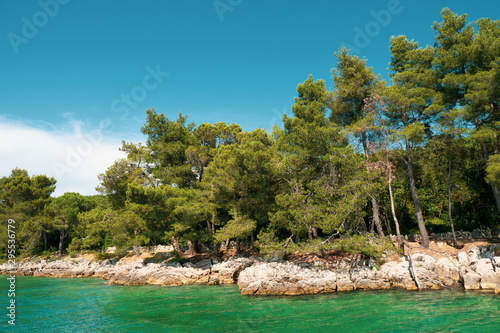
(461, 235)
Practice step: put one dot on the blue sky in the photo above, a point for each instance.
(77, 76)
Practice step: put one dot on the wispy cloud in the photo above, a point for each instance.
(72, 154)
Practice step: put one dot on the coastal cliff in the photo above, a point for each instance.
(475, 268)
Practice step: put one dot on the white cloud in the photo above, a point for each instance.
(73, 156)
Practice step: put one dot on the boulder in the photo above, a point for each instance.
(490, 281)
(368, 284)
(229, 271)
(486, 269)
(330, 285)
(213, 280)
(474, 254)
(285, 279)
(447, 270)
(463, 259)
(429, 263)
(362, 274)
(496, 262)
(345, 285)
(472, 281)
(409, 284)
(398, 274)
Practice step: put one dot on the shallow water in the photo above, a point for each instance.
(90, 305)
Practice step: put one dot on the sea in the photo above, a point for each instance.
(91, 305)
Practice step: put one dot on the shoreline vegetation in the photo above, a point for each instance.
(474, 267)
(418, 155)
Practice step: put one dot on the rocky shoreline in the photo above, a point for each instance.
(477, 268)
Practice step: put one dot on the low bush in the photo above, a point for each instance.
(368, 245)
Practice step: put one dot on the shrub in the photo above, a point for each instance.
(177, 258)
(48, 253)
(74, 254)
(368, 245)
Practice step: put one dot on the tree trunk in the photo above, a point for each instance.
(496, 194)
(387, 223)
(137, 251)
(360, 221)
(416, 202)
(393, 210)
(486, 155)
(375, 210)
(252, 238)
(412, 268)
(61, 242)
(216, 250)
(376, 215)
(175, 244)
(213, 222)
(312, 233)
(192, 250)
(455, 244)
(44, 240)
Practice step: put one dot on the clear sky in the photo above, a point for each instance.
(77, 76)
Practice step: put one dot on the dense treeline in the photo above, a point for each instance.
(419, 154)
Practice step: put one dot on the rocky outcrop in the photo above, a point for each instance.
(476, 269)
(285, 279)
(137, 272)
(483, 271)
(227, 272)
(60, 268)
(175, 274)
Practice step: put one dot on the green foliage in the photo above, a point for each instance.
(24, 199)
(432, 134)
(177, 258)
(493, 170)
(368, 245)
(167, 143)
(49, 253)
(269, 245)
(239, 226)
(354, 83)
(74, 254)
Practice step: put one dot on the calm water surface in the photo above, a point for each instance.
(89, 305)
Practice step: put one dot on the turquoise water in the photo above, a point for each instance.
(89, 305)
